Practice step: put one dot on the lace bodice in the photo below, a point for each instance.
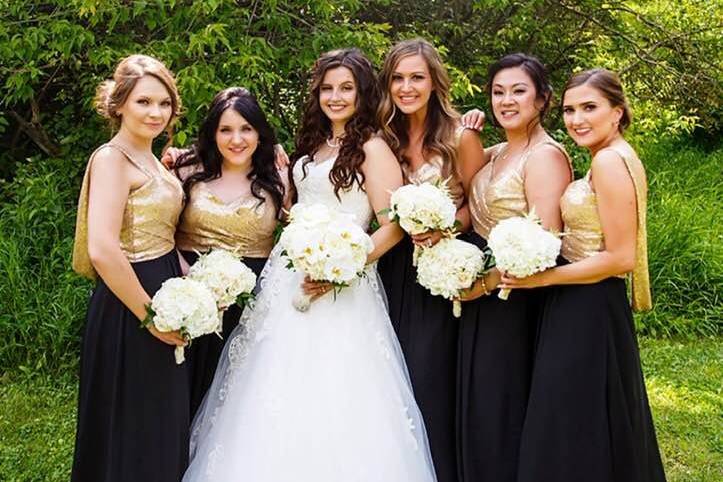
(315, 187)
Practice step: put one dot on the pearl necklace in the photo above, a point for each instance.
(331, 144)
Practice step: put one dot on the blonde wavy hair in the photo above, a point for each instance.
(442, 118)
(111, 94)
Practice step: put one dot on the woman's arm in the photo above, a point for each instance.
(111, 179)
(383, 176)
(617, 208)
(547, 174)
(471, 158)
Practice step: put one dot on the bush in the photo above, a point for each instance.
(42, 302)
(685, 239)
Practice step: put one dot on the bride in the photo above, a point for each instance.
(323, 395)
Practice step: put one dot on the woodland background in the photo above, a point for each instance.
(53, 54)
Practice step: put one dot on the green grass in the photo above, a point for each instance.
(37, 420)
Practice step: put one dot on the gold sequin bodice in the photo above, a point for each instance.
(149, 218)
(497, 196)
(583, 235)
(244, 225)
(437, 169)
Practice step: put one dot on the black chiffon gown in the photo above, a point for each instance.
(496, 344)
(205, 351)
(588, 416)
(133, 414)
(427, 333)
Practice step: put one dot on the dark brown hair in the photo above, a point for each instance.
(537, 72)
(534, 68)
(204, 152)
(609, 85)
(316, 127)
(113, 93)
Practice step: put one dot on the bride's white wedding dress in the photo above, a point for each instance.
(319, 396)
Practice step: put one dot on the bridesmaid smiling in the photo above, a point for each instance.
(420, 124)
(133, 414)
(235, 194)
(497, 337)
(588, 416)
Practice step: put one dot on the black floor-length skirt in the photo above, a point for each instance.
(496, 345)
(588, 416)
(133, 403)
(427, 333)
(206, 350)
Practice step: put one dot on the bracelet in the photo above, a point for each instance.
(484, 286)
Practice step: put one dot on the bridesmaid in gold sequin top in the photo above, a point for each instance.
(529, 170)
(424, 130)
(234, 196)
(588, 416)
(133, 402)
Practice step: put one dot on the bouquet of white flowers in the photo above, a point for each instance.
(228, 278)
(326, 245)
(419, 208)
(522, 247)
(185, 305)
(451, 266)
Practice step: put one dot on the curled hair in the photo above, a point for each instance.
(111, 94)
(537, 72)
(609, 85)
(204, 152)
(442, 119)
(316, 128)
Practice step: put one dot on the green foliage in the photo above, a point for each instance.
(53, 54)
(37, 423)
(42, 302)
(684, 239)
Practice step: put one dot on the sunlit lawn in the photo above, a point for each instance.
(37, 415)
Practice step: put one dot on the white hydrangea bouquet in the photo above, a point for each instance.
(228, 278)
(522, 247)
(450, 266)
(185, 305)
(423, 207)
(326, 245)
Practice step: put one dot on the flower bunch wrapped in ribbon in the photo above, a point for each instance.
(522, 247)
(451, 266)
(325, 245)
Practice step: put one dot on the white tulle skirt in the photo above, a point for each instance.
(319, 396)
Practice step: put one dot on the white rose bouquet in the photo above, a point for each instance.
(325, 245)
(419, 208)
(450, 266)
(185, 305)
(228, 278)
(522, 247)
